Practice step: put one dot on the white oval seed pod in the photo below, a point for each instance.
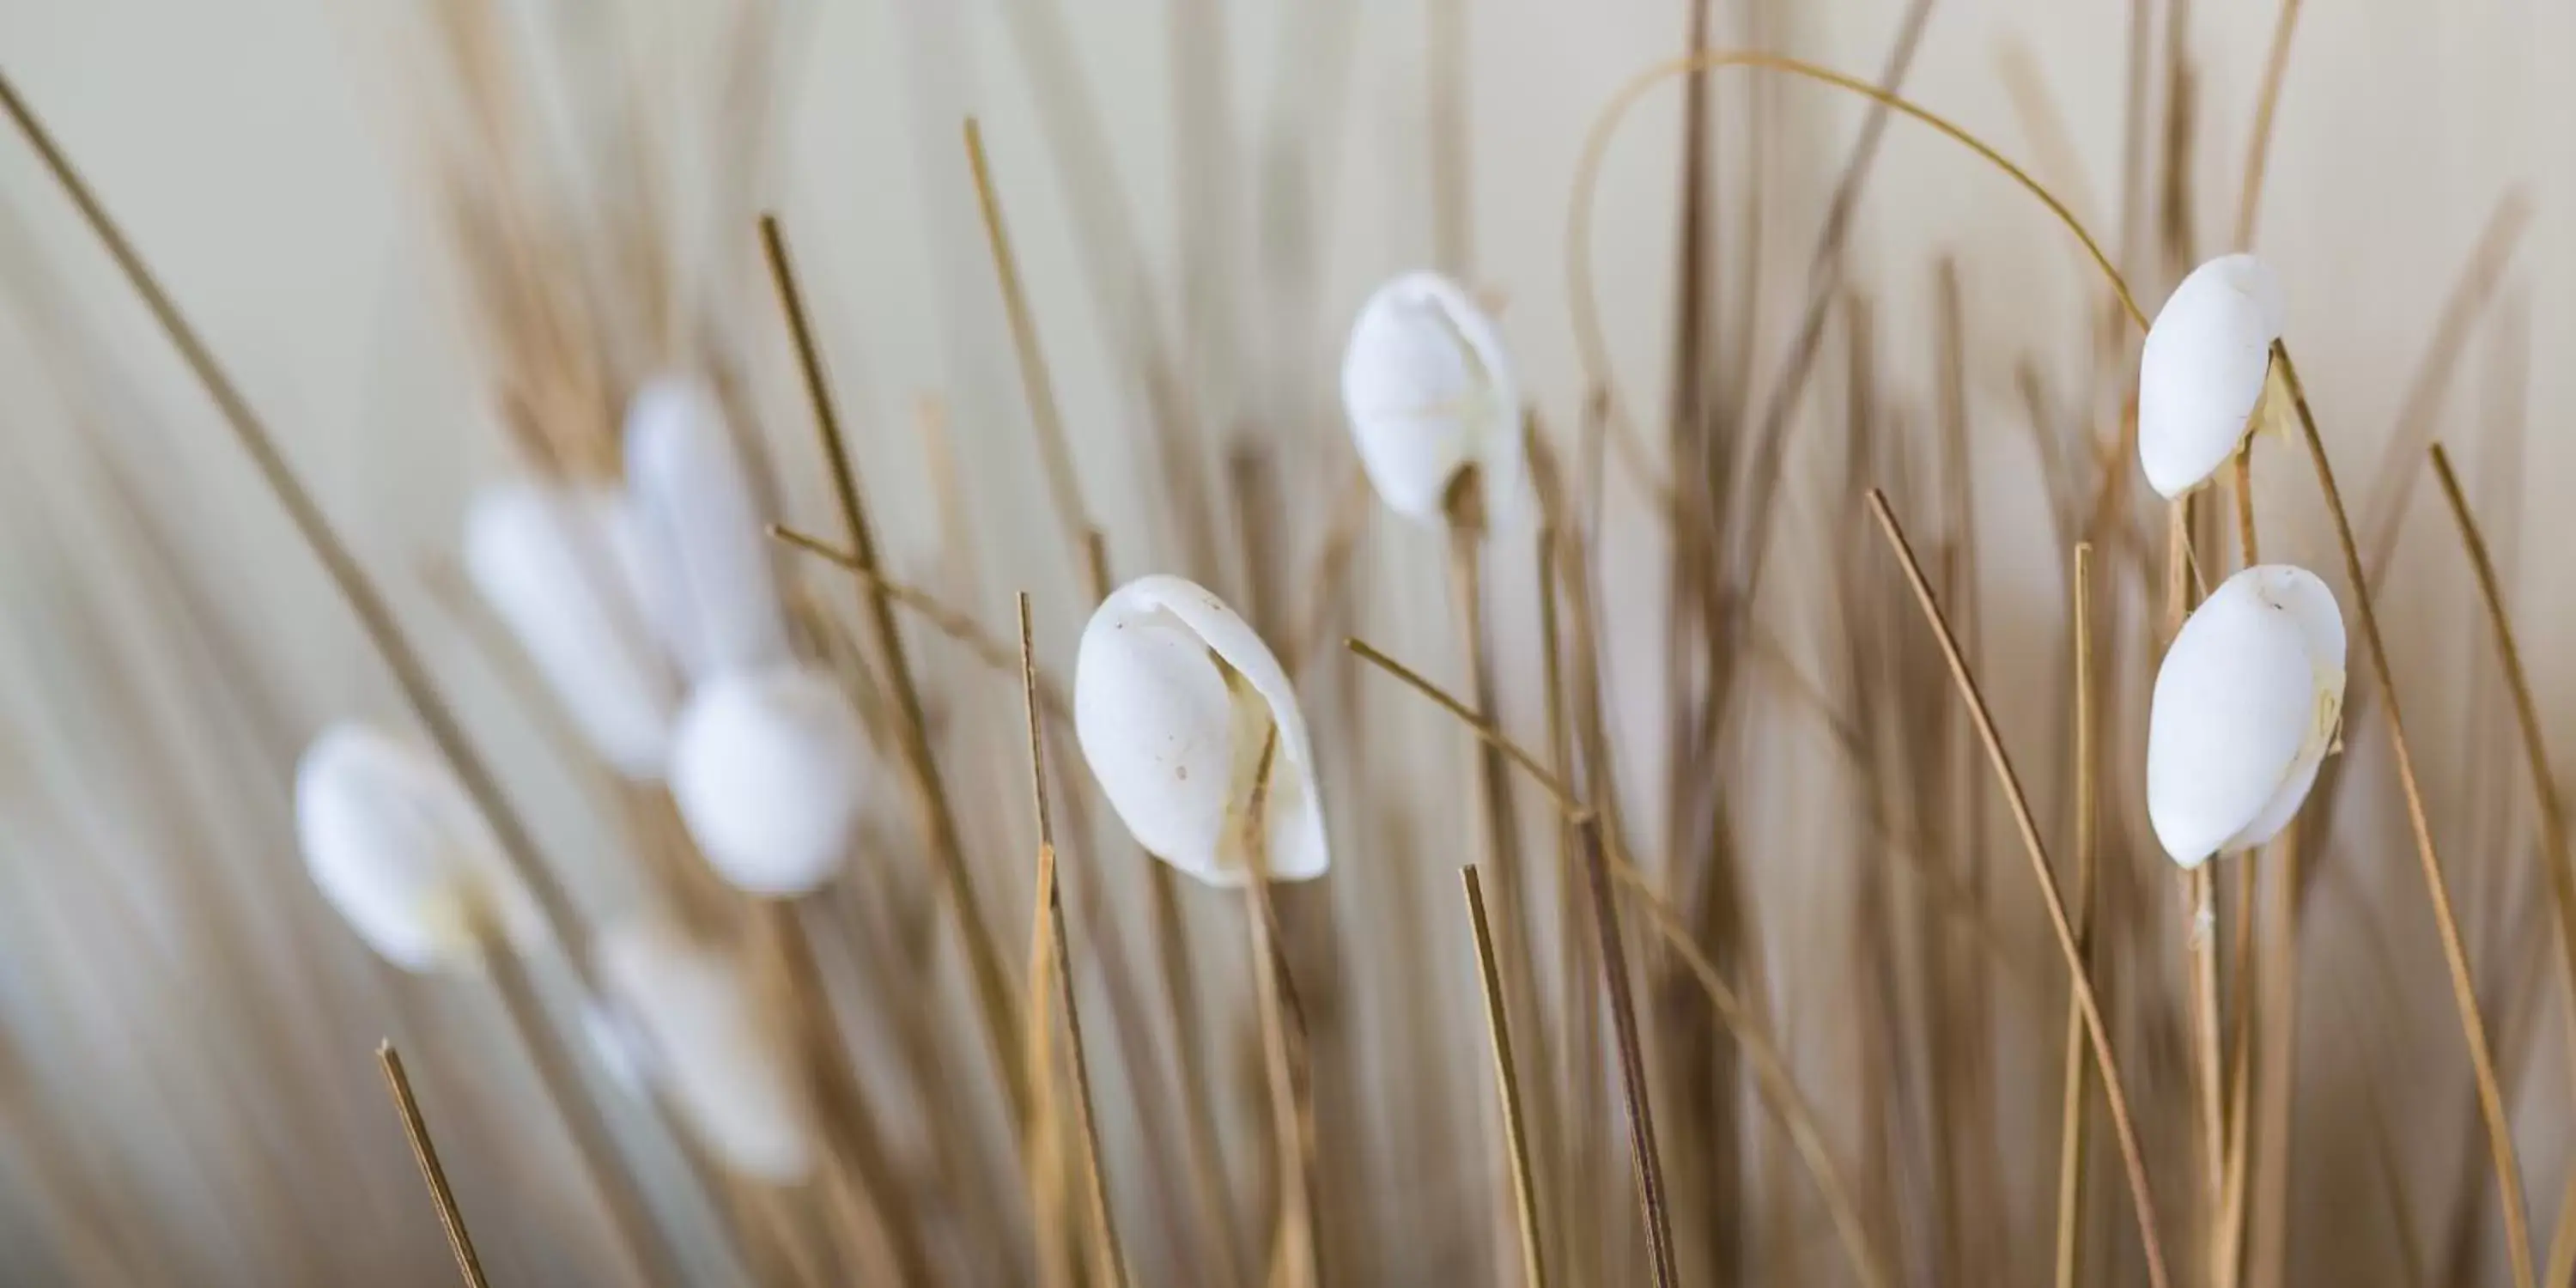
(399, 851)
(561, 567)
(709, 586)
(767, 769)
(2246, 706)
(1429, 391)
(693, 1013)
(1173, 699)
(2202, 371)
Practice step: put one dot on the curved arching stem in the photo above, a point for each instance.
(1590, 346)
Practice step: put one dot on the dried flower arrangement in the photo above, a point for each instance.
(795, 1049)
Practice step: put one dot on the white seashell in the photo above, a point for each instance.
(1173, 699)
(1429, 391)
(561, 567)
(709, 587)
(399, 851)
(2202, 372)
(767, 768)
(692, 1012)
(2246, 705)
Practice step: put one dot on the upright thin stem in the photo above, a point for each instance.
(2071, 1117)
(416, 1131)
(2535, 746)
(1507, 1087)
(1113, 1268)
(1063, 488)
(929, 798)
(1282, 1043)
(2454, 952)
(2258, 145)
(2131, 1154)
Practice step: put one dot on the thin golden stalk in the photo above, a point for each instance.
(2200, 940)
(416, 1132)
(2228, 1257)
(2071, 1117)
(1113, 1257)
(1497, 831)
(2454, 953)
(2535, 746)
(1063, 488)
(1281, 1047)
(2562, 1248)
(2258, 144)
(2131, 1154)
(930, 803)
(1507, 1086)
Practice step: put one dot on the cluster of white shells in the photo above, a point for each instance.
(651, 612)
(2250, 693)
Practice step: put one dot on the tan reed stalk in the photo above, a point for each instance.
(2228, 1241)
(1296, 1255)
(2071, 1117)
(1112, 1267)
(1507, 1087)
(2258, 143)
(840, 1099)
(1498, 822)
(2553, 816)
(643, 1242)
(2562, 1249)
(2454, 953)
(1064, 494)
(2132, 1156)
(1453, 249)
(1771, 1072)
(931, 809)
(1576, 1241)
(460, 1243)
(1063, 488)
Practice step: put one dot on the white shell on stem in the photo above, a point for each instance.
(1173, 699)
(709, 586)
(2202, 372)
(767, 769)
(399, 851)
(687, 1022)
(561, 567)
(1429, 391)
(2246, 706)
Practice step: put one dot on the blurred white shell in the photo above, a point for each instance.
(1429, 391)
(562, 568)
(2246, 705)
(399, 851)
(1173, 698)
(766, 769)
(697, 1035)
(2203, 368)
(708, 585)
